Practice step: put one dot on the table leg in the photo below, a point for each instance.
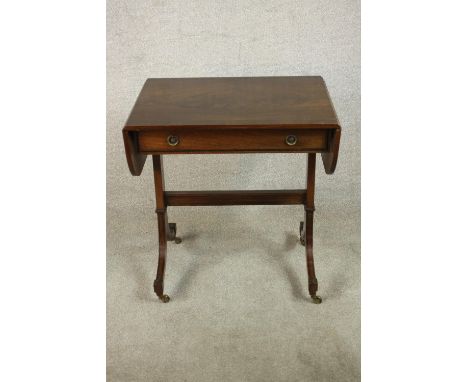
(313, 284)
(163, 227)
(309, 227)
(163, 233)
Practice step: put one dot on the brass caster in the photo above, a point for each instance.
(165, 298)
(316, 299)
(177, 240)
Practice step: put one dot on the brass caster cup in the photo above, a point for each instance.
(316, 299)
(165, 298)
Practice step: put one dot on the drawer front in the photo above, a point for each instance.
(198, 140)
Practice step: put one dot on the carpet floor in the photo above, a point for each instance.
(239, 308)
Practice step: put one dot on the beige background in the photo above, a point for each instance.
(239, 307)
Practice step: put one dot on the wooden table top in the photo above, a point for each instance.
(232, 114)
(271, 102)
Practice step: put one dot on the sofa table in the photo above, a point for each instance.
(232, 115)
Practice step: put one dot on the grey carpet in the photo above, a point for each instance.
(239, 307)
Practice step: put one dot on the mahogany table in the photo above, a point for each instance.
(232, 115)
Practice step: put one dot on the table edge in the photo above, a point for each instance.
(316, 126)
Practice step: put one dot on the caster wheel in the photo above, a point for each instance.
(301, 233)
(316, 299)
(177, 240)
(165, 298)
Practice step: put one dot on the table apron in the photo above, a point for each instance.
(231, 140)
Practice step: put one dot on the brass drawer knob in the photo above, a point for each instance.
(173, 140)
(291, 140)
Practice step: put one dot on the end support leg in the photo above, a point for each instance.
(309, 227)
(313, 283)
(163, 227)
(158, 284)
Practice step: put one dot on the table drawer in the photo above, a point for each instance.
(234, 140)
